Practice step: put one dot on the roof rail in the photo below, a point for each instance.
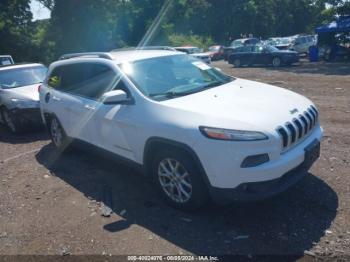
(88, 54)
(169, 48)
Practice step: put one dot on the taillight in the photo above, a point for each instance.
(39, 88)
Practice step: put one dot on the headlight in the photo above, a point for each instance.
(233, 135)
(21, 103)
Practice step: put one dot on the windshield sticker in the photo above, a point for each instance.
(201, 65)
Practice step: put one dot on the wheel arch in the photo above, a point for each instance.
(231, 58)
(154, 144)
(48, 117)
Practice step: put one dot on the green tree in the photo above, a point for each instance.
(15, 29)
(82, 26)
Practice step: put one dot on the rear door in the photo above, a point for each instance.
(73, 97)
(86, 83)
(57, 101)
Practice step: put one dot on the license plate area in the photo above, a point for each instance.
(312, 153)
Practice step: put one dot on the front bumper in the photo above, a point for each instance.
(221, 160)
(255, 191)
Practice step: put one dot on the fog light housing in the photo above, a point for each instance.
(255, 160)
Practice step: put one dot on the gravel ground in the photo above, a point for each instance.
(51, 204)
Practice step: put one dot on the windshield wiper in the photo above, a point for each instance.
(172, 94)
(212, 84)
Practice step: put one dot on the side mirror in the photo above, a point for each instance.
(116, 97)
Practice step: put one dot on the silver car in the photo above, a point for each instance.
(6, 60)
(195, 52)
(19, 97)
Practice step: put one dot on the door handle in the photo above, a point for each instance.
(56, 98)
(88, 107)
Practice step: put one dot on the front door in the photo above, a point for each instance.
(112, 124)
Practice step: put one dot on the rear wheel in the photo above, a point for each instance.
(10, 121)
(178, 180)
(58, 135)
(276, 62)
(237, 62)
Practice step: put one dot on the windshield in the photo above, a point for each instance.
(236, 43)
(284, 41)
(271, 48)
(13, 78)
(171, 76)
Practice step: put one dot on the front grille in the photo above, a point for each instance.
(299, 127)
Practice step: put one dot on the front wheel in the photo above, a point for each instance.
(276, 62)
(10, 121)
(58, 135)
(178, 180)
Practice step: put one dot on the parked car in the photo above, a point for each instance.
(195, 52)
(302, 43)
(281, 43)
(145, 48)
(6, 60)
(216, 52)
(238, 43)
(244, 41)
(197, 133)
(19, 97)
(262, 55)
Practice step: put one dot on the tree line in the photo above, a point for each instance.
(103, 25)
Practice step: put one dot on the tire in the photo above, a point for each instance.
(186, 193)
(276, 62)
(10, 121)
(58, 135)
(237, 62)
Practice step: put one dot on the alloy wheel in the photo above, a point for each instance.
(56, 133)
(175, 180)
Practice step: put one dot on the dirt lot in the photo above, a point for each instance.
(51, 204)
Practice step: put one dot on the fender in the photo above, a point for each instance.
(153, 142)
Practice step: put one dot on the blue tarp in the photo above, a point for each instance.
(342, 24)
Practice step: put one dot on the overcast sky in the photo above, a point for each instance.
(39, 11)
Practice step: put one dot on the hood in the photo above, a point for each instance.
(25, 92)
(242, 103)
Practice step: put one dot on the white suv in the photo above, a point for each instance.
(197, 132)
